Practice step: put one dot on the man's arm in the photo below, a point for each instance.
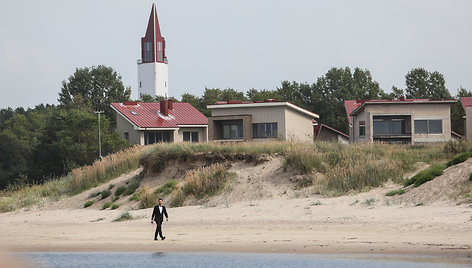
(153, 214)
(165, 213)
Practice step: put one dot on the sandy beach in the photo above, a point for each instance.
(305, 225)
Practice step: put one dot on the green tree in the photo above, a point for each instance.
(261, 95)
(94, 87)
(421, 84)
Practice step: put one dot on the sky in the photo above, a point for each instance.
(239, 44)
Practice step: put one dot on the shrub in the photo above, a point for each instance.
(304, 159)
(94, 194)
(206, 181)
(115, 206)
(114, 198)
(106, 205)
(147, 198)
(88, 203)
(132, 186)
(459, 159)
(105, 194)
(111, 186)
(120, 190)
(167, 188)
(425, 175)
(125, 216)
(134, 197)
(396, 192)
(178, 199)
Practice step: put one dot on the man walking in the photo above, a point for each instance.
(158, 216)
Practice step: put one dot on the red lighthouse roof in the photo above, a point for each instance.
(153, 44)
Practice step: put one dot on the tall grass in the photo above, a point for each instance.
(206, 181)
(77, 181)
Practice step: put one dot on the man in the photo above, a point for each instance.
(158, 216)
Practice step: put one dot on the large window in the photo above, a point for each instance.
(191, 136)
(428, 126)
(152, 137)
(160, 51)
(389, 126)
(147, 51)
(264, 130)
(232, 131)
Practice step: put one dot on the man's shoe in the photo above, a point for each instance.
(163, 237)
(155, 239)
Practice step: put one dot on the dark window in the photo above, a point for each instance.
(140, 84)
(264, 130)
(160, 51)
(232, 131)
(389, 126)
(126, 136)
(147, 51)
(156, 136)
(362, 129)
(191, 136)
(428, 126)
(398, 126)
(381, 127)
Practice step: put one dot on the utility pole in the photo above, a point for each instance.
(99, 137)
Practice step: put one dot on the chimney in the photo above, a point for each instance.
(171, 104)
(164, 107)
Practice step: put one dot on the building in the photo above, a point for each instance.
(270, 119)
(399, 121)
(153, 74)
(467, 105)
(324, 132)
(148, 123)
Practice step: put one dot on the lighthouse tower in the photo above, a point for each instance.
(153, 71)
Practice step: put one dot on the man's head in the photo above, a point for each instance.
(160, 201)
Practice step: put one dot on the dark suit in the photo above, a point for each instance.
(158, 217)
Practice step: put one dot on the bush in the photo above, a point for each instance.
(304, 159)
(396, 192)
(132, 186)
(425, 175)
(105, 194)
(178, 199)
(459, 159)
(125, 216)
(111, 186)
(134, 197)
(114, 198)
(106, 205)
(88, 204)
(94, 194)
(120, 190)
(167, 188)
(115, 206)
(206, 181)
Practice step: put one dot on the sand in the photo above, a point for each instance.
(256, 215)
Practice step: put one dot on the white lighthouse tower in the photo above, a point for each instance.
(153, 72)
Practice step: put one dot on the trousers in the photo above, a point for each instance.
(158, 230)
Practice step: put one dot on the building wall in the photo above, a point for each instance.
(135, 137)
(202, 133)
(273, 114)
(417, 112)
(215, 131)
(291, 125)
(468, 122)
(298, 127)
(153, 79)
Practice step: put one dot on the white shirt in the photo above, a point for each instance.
(160, 209)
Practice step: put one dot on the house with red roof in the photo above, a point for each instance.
(166, 121)
(326, 133)
(399, 120)
(259, 121)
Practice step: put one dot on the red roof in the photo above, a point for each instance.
(317, 129)
(354, 105)
(147, 115)
(466, 102)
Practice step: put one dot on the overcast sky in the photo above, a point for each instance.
(240, 44)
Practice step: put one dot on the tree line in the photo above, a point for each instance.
(47, 141)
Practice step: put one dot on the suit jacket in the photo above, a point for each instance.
(157, 216)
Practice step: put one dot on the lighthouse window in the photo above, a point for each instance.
(147, 51)
(160, 51)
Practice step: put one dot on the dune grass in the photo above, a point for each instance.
(206, 181)
(125, 216)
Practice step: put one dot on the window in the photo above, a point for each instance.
(232, 131)
(133, 112)
(160, 51)
(191, 136)
(147, 51)
(126, 136)
(152, 137)
(264, 130)
(428, 126)
(140, 84)
(388, 126)
(362, 128)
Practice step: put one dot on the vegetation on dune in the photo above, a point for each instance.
(88, 204)
(125, 216)
(396, 192)
(425, 175)
(459, 159)
(206, 181)
(167, 188)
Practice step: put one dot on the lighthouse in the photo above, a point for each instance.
(153, 72)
